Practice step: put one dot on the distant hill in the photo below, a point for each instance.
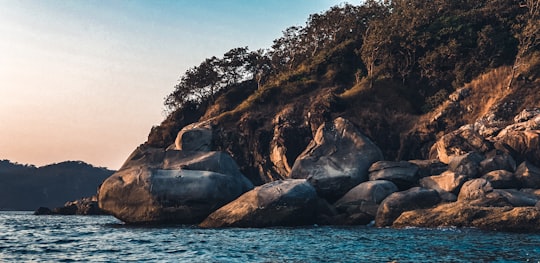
(27, 187)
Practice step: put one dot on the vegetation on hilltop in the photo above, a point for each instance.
(381, 64)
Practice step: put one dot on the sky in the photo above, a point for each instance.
(86, 80)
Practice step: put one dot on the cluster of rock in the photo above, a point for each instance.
(475, 178)
(83, 206)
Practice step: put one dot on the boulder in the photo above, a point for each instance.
(336, 160)
(279, 203)
(461, 141)
(467, 164)
(528, 175)
(403, 174)
(373, 191)
(475, 189)
(158, 186)
(395, 204)
(462, 214)
(447, 182)
(498, 162)
(501, 179)
(429, 167)
(194, 138)
(517, 198)
(523, 145)
(363, 201)
(535, 192)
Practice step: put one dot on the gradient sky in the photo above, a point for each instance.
(85, 80)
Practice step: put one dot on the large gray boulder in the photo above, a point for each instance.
(399, 202)
(158, 186)
(373, 191)
(403, 174)
(336, 160)
(528, 175)
(364, 199)
(517, 198)
(279, 203)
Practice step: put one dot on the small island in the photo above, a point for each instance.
(393, 114)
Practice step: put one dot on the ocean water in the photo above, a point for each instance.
(28, 238)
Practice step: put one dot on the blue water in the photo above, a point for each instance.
(25, 237)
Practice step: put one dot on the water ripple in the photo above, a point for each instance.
(24, 237)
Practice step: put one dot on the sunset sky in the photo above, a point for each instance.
(85, 80)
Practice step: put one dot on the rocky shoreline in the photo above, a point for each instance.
(482, 175)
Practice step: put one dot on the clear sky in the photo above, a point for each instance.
(85, 80)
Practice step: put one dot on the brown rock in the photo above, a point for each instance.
(528, 175)
(459, 142)
(475, 189)
(447, 181)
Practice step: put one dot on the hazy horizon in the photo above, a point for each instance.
(85, 80)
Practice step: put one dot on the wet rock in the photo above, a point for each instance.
(336, 160)
(279, 203)
(157, 186)
(467, 164)
(403, 174)
(501, 179)
(528, 175)
(462, 214)
(399, 202)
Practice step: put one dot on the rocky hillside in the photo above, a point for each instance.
(26, 187)
(403, 82)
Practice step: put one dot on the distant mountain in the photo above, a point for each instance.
(27, 187)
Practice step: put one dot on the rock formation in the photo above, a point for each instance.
(280, 203)
(336, 160)
(173, 186)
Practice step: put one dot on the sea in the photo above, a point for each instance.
(25, 237)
